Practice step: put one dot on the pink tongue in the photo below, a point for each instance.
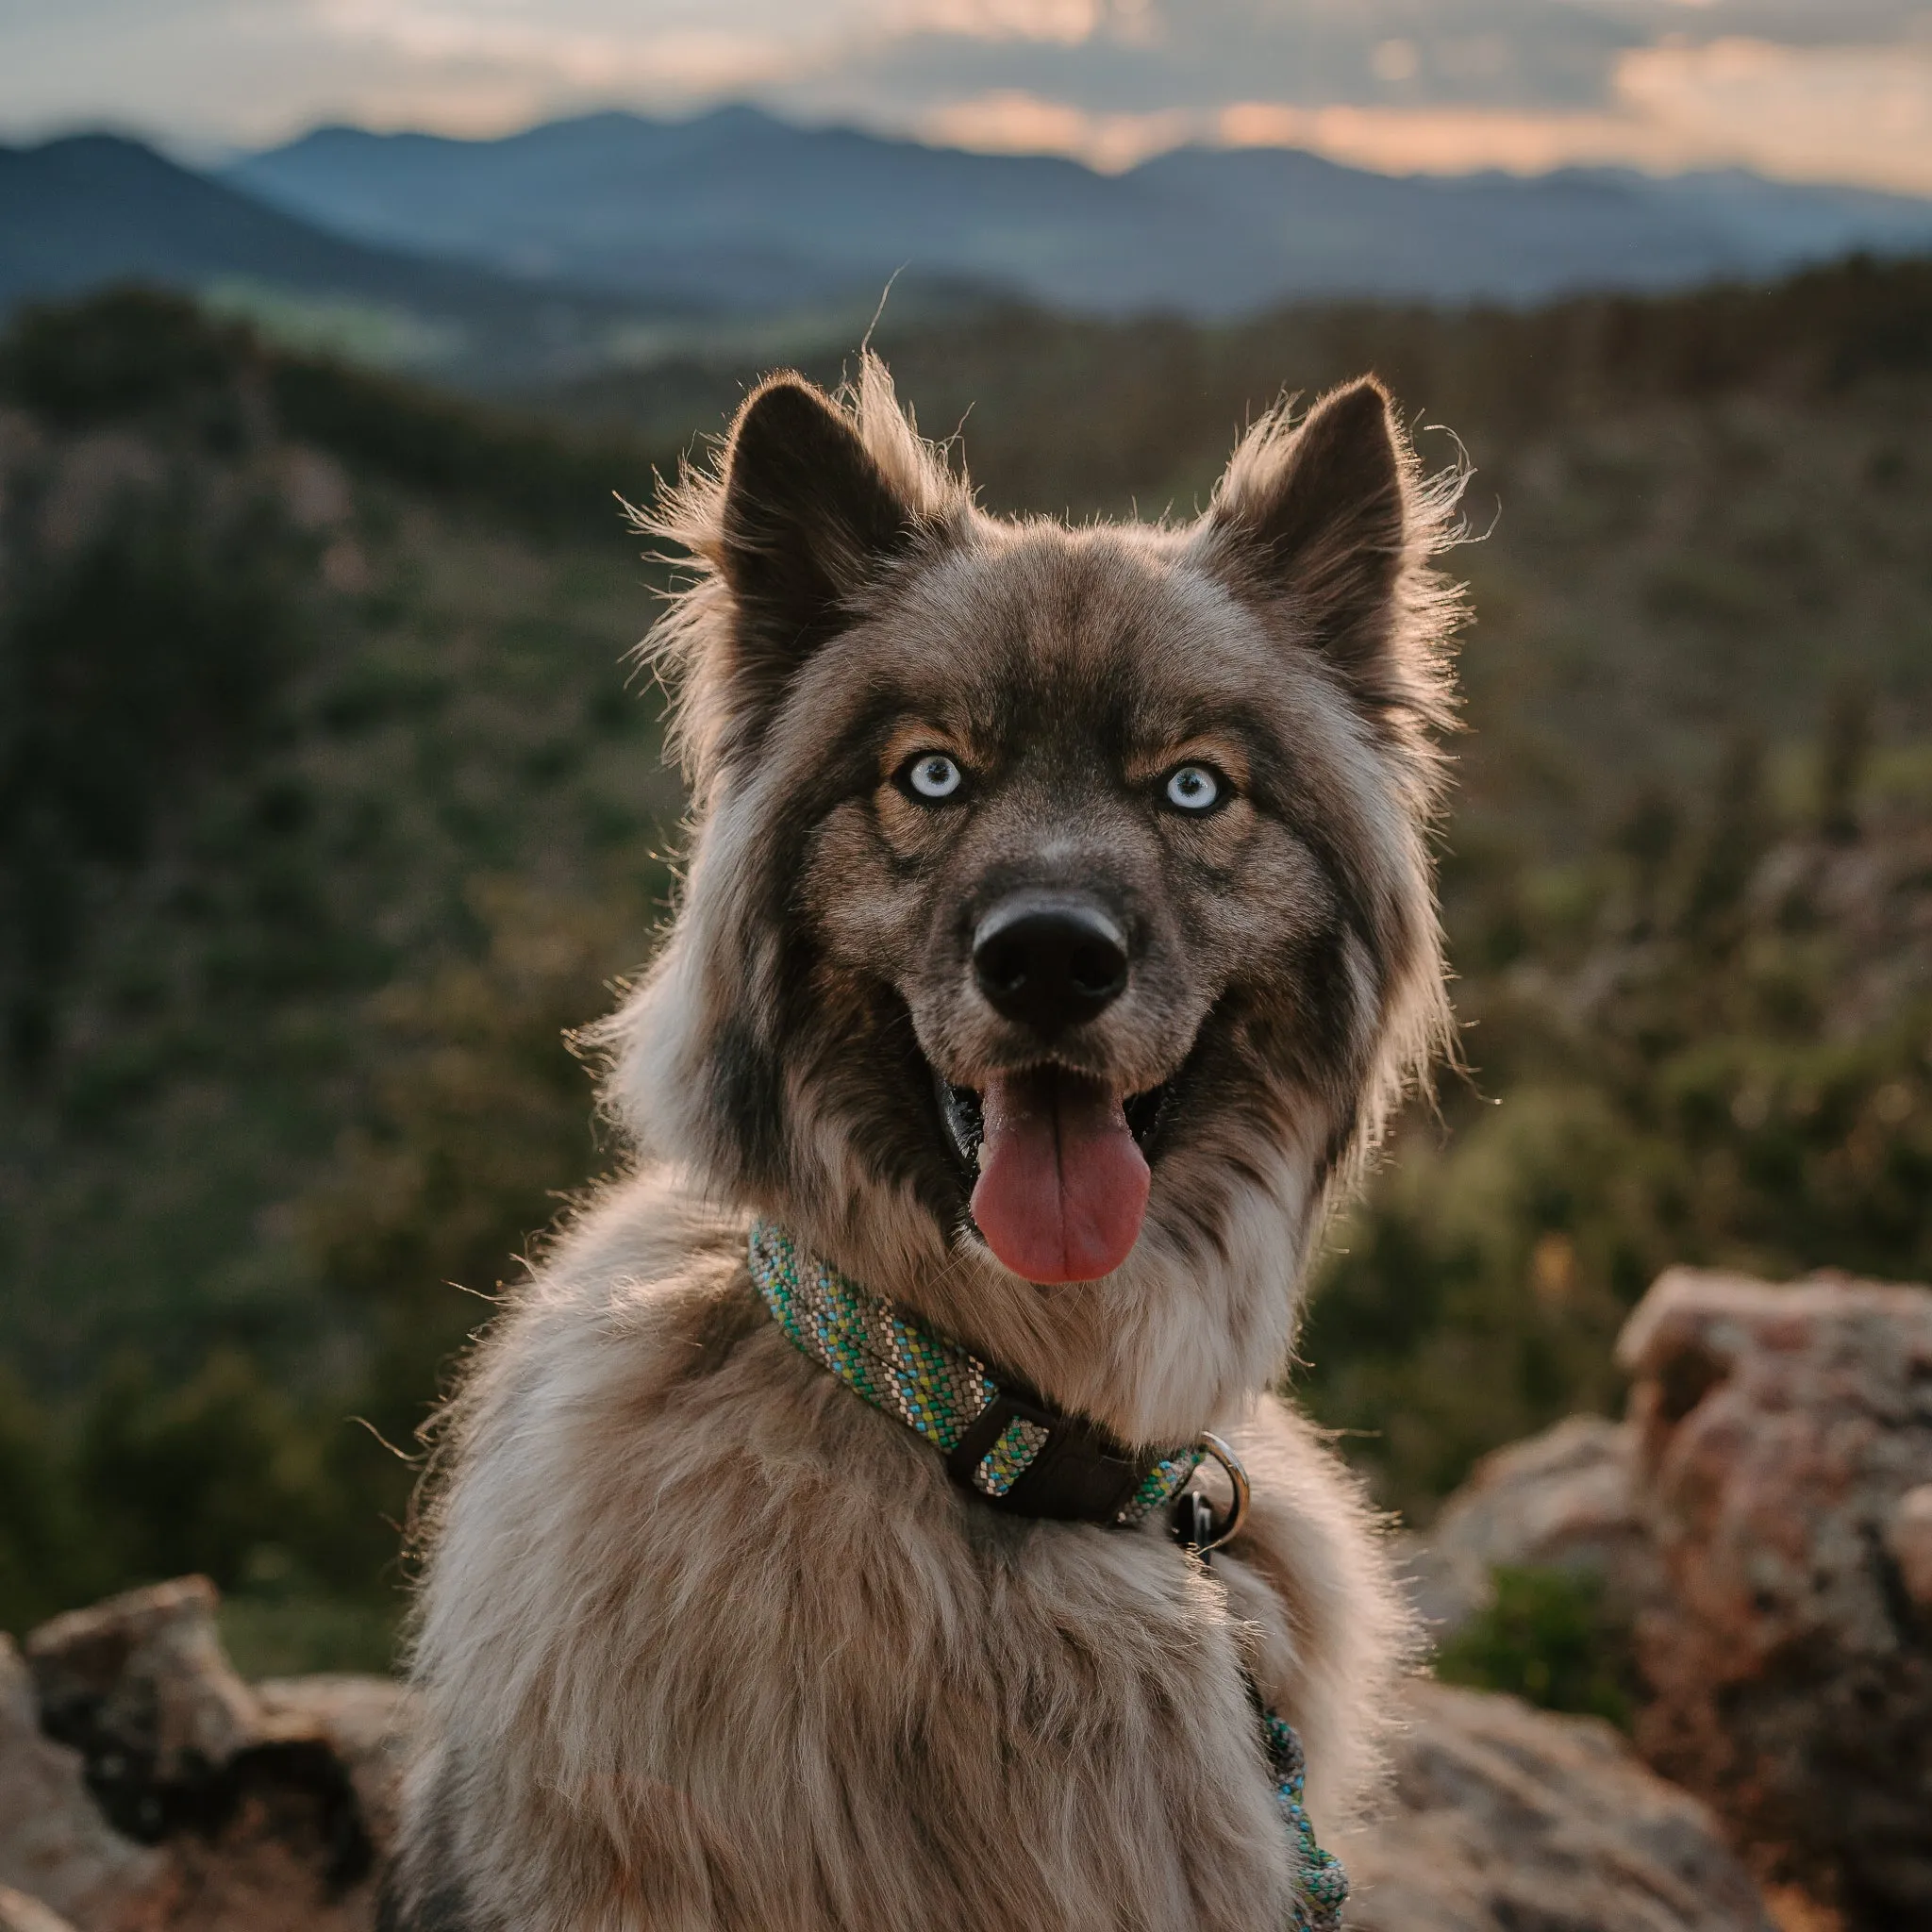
(1062, 1188)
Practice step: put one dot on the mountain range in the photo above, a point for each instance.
(90, 209)
(739, 209)
(614, 239)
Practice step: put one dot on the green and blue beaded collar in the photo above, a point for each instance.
(1012, 1449)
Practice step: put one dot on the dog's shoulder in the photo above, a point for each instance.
(647, 1265)
(644, 1295)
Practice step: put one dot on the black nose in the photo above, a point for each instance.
(1049, 962)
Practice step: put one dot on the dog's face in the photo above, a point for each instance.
(1075, 846)
(1058, 893)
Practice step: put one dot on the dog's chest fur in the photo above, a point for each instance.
(754, 1662)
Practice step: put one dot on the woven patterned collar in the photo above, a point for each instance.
(1013, 1450)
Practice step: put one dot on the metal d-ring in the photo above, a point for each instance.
(1237, 1482)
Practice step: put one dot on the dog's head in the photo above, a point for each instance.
(1060, 919)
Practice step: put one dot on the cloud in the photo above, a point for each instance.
(1784, 23)
(1842, 113)
(1157, 56)
(1859, 115)
(1822, 89)
(1602, 86)
(682, 59)
(1067, 22)
(1447, 141)
(1016, 122)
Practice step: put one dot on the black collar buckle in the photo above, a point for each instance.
(1080, 1474)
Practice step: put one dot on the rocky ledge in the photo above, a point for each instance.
(143, 1786)
(146, 1788)
(1504, 1819)
(1762, 1520)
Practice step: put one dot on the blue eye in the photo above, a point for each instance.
(933, 775)
(1195, 789)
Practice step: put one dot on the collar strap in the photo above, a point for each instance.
(1000, 1441)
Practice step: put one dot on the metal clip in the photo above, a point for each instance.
(1195, 1523)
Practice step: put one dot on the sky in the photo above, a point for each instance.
(1806, 90)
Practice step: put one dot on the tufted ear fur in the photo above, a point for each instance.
(807, 521)
(1314, 520)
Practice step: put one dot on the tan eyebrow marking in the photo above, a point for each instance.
(920, 735)
(1224, 754)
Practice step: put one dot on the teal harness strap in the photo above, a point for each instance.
(941, 1391)
(1319, 1878)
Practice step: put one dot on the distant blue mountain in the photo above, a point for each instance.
(90, 209)
(559, 250)
(740, 209)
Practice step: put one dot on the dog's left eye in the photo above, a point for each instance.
(1195, 789)
(931, 776)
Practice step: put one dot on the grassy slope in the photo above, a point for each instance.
(444, 700)
(318, 696)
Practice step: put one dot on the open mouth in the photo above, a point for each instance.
(964, 1113)
(1058, 1165)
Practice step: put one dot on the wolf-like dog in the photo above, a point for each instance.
(1058, 931)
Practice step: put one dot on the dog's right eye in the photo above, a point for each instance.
(931, 777)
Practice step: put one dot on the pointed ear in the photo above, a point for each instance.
(1313, 522)
(807, 519)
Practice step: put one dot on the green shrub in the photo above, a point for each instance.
(47, 1559)
(204, 1476)
(1547, 1639)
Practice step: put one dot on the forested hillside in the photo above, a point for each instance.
(327, 804)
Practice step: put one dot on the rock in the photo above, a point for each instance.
(263, 1802)
(1782, 1436)
(141, 1687)
(270, 1864)
(1560, 1500)
(1909, 1541)
(366, 1723)
(1504, 1819)
(55, 1845)
(20, 1913)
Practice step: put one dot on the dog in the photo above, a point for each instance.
(1057, 934)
